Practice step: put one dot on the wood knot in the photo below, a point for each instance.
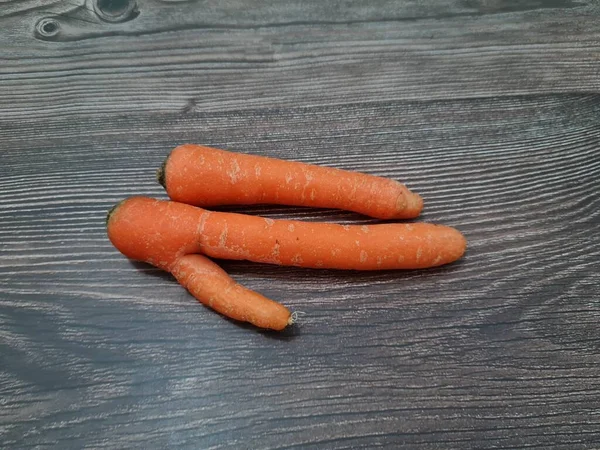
(47, 27)
(116, 10)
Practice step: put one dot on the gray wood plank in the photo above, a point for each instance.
(488, 109)
(182, 57)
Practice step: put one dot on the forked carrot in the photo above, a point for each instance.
(170, 235)
(204, 176)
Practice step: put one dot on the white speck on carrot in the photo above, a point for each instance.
(346, 227)
(202, 223)
(319, 263)
(379, 261)
(363, 256)
(234, 171)
(409, 227)
(437, 260)
(400, 259)
(335, 252)
(296, 259)
(312, 194)
(419, 254)
(364, 229)
(269, 222)
(308, 177)
(223, 237)
(288, 178)
(291, 227)
(257, 170)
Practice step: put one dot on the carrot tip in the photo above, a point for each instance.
(415, 203)
(160, 174)
(294, 317)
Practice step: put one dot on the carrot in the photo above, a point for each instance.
(204, 279)
(160, 232)
(204, 176)
(214, 288)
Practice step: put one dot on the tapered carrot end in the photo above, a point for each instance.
(408, 206)
(455, 245)
(414, 204)
(161, 174)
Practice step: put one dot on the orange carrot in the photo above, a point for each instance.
(160, 232)
(214, 288)
(204, 176)
(165, 247)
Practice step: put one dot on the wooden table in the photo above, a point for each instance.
(489, 109)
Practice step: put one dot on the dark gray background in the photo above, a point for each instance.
(488, 108)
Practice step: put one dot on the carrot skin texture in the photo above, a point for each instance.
(211, 285)
(204, 176)
(160, 232)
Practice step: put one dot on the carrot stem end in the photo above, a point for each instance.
(112, 210)
(160, 174)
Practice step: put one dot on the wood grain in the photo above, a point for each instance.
(488, 109)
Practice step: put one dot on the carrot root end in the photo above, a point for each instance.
(294, 317)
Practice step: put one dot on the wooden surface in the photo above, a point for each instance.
(488, 108)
